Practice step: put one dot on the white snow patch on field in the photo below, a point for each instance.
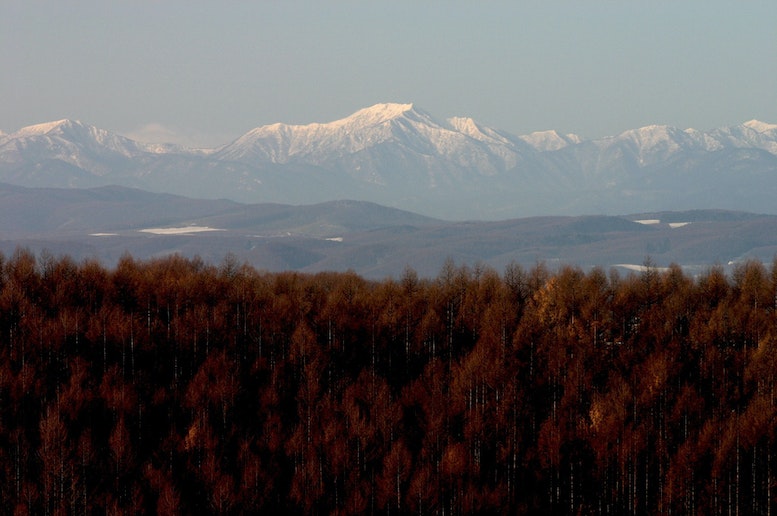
(179, 231)
(640, 268)
(678, 224)
(103, 234)
(648, 221)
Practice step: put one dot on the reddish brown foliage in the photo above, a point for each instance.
(172, 386)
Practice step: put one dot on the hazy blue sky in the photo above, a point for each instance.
(206, 72)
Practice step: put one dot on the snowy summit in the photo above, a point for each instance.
(402, 156)
(761, 127)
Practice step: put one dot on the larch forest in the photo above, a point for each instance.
(175, 386)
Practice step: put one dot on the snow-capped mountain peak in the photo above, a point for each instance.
(754, 133)
(73, 131)
(71, 141)
(281, 143)
(654, 136)
(398, 153)
(649, 134)
(550, 140)
(758, 126)
(471, 128)
(47, 127)
(653, 143)
(408, 130)
(465, 125)
(378, 114)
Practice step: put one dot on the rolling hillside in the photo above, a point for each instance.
(370, 239)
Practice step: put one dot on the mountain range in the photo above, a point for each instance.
(401, 156)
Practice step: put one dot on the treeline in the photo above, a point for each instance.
(174, 386)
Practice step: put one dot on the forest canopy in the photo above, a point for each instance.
(175, 386)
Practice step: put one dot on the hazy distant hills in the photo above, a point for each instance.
(372, 240)
(401, 156)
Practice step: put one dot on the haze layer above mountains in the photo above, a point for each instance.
(401, 156)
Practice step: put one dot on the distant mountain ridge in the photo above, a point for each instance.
(373, 240)
(401, 156)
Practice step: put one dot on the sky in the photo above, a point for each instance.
(203, 73)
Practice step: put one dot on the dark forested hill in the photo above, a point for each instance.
(175, 386)
(372, 240)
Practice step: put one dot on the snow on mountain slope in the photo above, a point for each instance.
(410, 131)
(281, 143)
(761, 127)
(656, 143)
(400, 155)
(648, 144)
(550, 140)
(75, 132)
(753, 133)
(41, 129)
(72, 142)
(469, 127)
(704, 141)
